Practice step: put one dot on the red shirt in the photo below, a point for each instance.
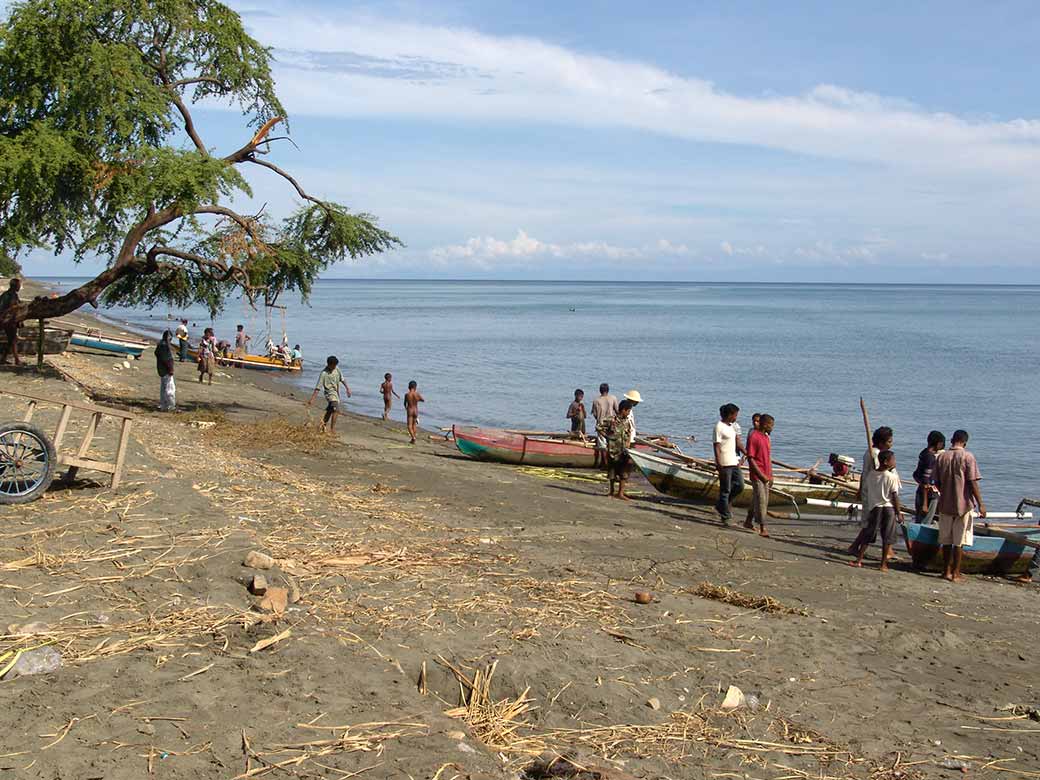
(760, 449)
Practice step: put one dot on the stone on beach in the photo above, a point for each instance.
(275, 601)
(258, 585)
(258, 560)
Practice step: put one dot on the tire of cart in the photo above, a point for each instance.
(27, 463)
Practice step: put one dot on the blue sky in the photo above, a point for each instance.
(760, 141)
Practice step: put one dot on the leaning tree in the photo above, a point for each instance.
(101, 156)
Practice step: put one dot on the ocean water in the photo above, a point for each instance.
(510, 354)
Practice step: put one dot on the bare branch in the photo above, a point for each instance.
(189, 123)
(288, 177)
(197, 80)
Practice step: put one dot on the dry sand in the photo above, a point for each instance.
(420, 573)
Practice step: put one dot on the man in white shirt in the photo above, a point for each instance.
(182, 341)
(726, 439)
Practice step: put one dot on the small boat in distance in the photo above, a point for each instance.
(528, 449)
(697, 481)
(986, 554)
(94, 339)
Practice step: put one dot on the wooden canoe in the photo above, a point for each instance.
(55, 340)
(503, 447)
(254, 362)
(700, 483)
(986, 555)
(92, 339)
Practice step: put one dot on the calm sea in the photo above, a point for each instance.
(511, 354)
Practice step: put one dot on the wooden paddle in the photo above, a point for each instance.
(866, 424)
(810, 472)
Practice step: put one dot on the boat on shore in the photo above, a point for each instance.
(93, 339)
(55, 340)
(253, 362)
(694, 480)
(986, 554)
(528, 449)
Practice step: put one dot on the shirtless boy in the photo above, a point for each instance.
(388, 393)
(412, 399)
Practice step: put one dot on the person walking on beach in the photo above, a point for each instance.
(957, 478)
(603, 408)
(164, 366)
(242, 340)
(412, 399)
(617, 431)
(881, 503)
(576, 413)
(207, 355)
(8, 299)
(881, 440)
(923, 475)
(329, 381)
(182, 341)
(760, 462)
(727, 445)
(389, 394)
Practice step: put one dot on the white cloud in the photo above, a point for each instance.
(365, 66)
(488, 252)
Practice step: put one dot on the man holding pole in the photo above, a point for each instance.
(957, 477)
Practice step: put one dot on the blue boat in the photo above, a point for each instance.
(987, 555)
(93, 340)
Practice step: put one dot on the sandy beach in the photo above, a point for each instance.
(454, 619)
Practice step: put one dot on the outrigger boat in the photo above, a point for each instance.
(994, 550)
(93, 339)
(528, 448)
(254, 362)
(694, 479)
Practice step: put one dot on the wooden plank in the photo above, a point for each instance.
(39, 347)
(63, 422)
(29, 412)
(124, 437)
(86, 463)
(111, 412)
(88, 437)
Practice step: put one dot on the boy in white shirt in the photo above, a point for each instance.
(726, 439)
(880, 491)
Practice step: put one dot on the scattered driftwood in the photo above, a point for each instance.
(707, 590)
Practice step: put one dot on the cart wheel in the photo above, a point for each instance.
(27, 463)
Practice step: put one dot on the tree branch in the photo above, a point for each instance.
(288, 177)
(197, 80)
(189, 124)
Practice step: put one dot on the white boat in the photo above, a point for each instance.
(93, 339)
(693, 481)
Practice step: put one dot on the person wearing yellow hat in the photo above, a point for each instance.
(636, 399)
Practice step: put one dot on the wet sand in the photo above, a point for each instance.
(416, 568)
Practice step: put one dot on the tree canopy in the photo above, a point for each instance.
(100, 155)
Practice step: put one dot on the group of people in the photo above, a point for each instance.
(329, 381)
(615, 432)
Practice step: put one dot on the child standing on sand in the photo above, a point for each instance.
(880, 491)
(329, 381)
(207, 355)
(576, 413)
(387, 391)
(412, 399)
(618, 433)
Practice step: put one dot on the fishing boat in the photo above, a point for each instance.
(518, 448)
(986, 554)
(692, 479)
(529, 448)
(55, 340)
(253, 362)
(93, 339)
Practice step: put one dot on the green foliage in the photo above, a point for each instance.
(8, 266)
(95, 101)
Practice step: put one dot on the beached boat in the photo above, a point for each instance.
(987, 555)
(55, 340)
(253, 362)
(92, 339)
(506, 447)
(699, 482)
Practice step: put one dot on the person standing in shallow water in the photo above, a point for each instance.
(389, 394)
(164, 366)
(957, 478)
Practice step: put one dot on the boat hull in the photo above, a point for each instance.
(701, 485)
(987, 555)
(55, 341)
(117, 346)
(502, 447)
